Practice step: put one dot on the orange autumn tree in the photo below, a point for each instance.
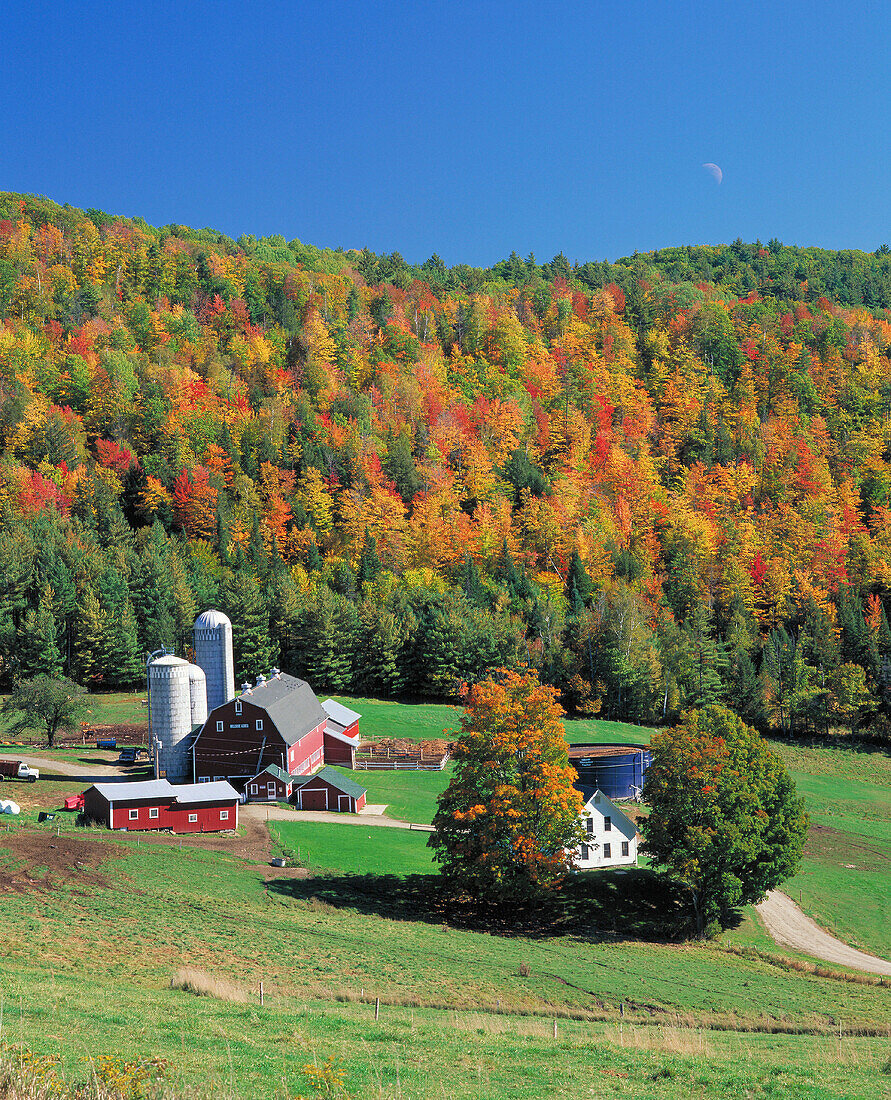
(510, 818)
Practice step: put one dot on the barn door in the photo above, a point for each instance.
(343, 803)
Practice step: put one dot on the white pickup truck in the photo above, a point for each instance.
(18, 769)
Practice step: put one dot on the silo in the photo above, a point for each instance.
(617, 770)
(197, 695)
(213, 653)
(170, 712)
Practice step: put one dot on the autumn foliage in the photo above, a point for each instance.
(509, 820)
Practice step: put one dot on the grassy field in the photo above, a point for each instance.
(352, 850)
(467, 1014)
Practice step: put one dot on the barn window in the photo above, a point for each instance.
(204, 779)
(259, 723)
(134, 814)
(193, 817)
(238, 706)
(219, 727)
(254, 788)
(607, 851)
(224, 815)
(589, 826)
(607, 824)
(624, 847)
(153, 812)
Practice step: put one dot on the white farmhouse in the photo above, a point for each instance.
(611, 837)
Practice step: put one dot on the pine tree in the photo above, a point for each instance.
(578, 586)
(38, 650)
(88, 638)
(255, 652)
(369, 563)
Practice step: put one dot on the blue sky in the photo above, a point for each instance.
(468, 129)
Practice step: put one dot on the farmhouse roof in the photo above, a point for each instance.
(290, 703)
(340, 714)
(590, 796)
(185, 794)
(335, 779)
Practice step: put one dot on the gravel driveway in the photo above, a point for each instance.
(790, 927)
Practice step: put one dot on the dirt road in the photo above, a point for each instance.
(259, 812)
(790, 927)
(89, 773)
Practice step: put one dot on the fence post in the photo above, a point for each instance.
(555, 1027)
(377, 1007)
(261, 994)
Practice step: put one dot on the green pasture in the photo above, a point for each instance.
(228, 1050)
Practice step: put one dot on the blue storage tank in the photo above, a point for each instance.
(617, 770)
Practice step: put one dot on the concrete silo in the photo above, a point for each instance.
(170, 715)
(213, 653)
(197, 695)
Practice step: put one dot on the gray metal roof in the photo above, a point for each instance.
(185, 793)
(290, 703)
(342, 715)
(332, 776)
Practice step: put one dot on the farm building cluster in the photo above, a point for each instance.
(274, 741)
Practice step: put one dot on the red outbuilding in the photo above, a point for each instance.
(157, 804)
(341, 734)
(328, 790)
(269, 785)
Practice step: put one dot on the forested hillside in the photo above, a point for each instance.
(661, 482)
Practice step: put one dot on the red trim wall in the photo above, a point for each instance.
(312, 796)
(282, 793)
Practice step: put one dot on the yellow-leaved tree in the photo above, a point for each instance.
(509, 820)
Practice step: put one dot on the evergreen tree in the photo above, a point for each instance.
(38, 650)
(369, 563)
(255, 652)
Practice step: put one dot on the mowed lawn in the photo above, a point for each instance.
(354, 850)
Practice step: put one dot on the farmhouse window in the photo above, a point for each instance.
(624, 847)
(586, 852)
(238, 706)
(254, 788)
(134, 814)
(193, 817)
(607, 824)
(589, 826)
(259, 723)
(607, 851)
(219, 727)
(224, 816)
(153, 812)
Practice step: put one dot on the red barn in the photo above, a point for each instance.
(279, 721)
(329, 790)
(270, 785)
(341, 734)
(157, 804)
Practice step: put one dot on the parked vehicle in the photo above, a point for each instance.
(131, 755)
(107, 743)
(18, 769)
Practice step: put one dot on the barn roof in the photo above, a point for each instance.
(335, 779)
(342, 715)
(160, 789)
(290, 703)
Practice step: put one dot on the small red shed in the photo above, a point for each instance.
(328, 790)
(270, 785)
(341, 734)
(157, 804)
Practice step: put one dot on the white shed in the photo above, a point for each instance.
(611, 837)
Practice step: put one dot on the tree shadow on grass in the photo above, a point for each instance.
(603, 906)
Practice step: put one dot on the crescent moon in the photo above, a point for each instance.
(714, 171)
